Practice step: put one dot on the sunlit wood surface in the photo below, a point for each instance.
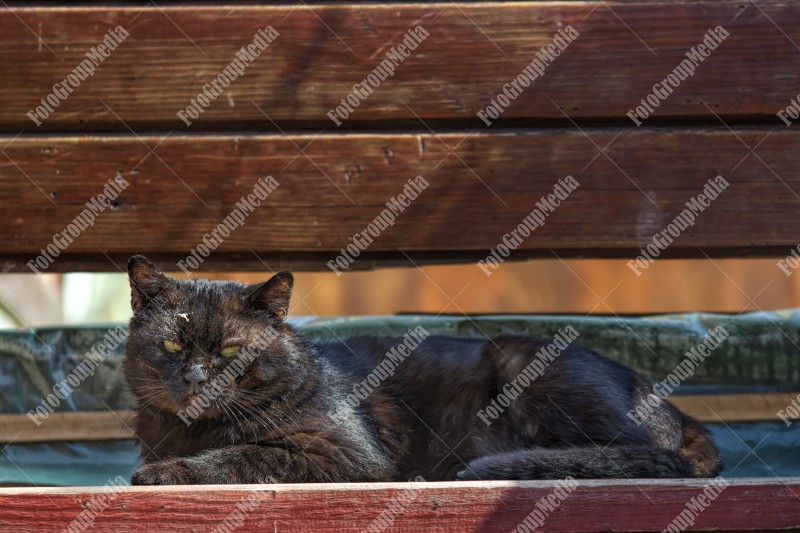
(550, 286)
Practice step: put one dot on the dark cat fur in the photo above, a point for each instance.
(274, 424)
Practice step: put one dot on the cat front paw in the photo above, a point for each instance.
(162, 473)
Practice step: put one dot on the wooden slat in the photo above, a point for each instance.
(75, 426)
(473, 49)
(104, 425)
(480, 191)
(734, 407)
(641, 505)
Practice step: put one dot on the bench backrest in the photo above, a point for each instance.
(437, 67)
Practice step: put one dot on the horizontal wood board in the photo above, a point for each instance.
(639, 505)
(473, 49)
(482, 186)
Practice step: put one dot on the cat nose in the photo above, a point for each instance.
(196, 376)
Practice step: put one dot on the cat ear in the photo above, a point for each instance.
(274, 295)
(146, 281)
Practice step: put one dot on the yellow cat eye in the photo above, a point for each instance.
(230, 351)
(172, 346)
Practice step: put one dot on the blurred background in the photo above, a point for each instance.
(539, 286)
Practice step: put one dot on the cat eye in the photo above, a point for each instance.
(172, 346)
(230, 351)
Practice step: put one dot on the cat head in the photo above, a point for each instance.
(209, 348)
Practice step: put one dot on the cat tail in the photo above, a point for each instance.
(697, 457)
(590, 462)
(698, 448)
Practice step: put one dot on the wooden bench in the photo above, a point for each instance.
(484, 181)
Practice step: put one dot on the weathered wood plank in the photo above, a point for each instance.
(323, 50)
(734, 407)
(641, 505)
(68, 426)
(478, 192)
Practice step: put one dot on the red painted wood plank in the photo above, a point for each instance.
(643, 505)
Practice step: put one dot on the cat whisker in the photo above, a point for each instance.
(259, 417)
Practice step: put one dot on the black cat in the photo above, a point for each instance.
(228, 392)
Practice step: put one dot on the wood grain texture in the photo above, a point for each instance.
(68, 426)
(643, 505)
(482, 185)
(734, 407)
(473, 49)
